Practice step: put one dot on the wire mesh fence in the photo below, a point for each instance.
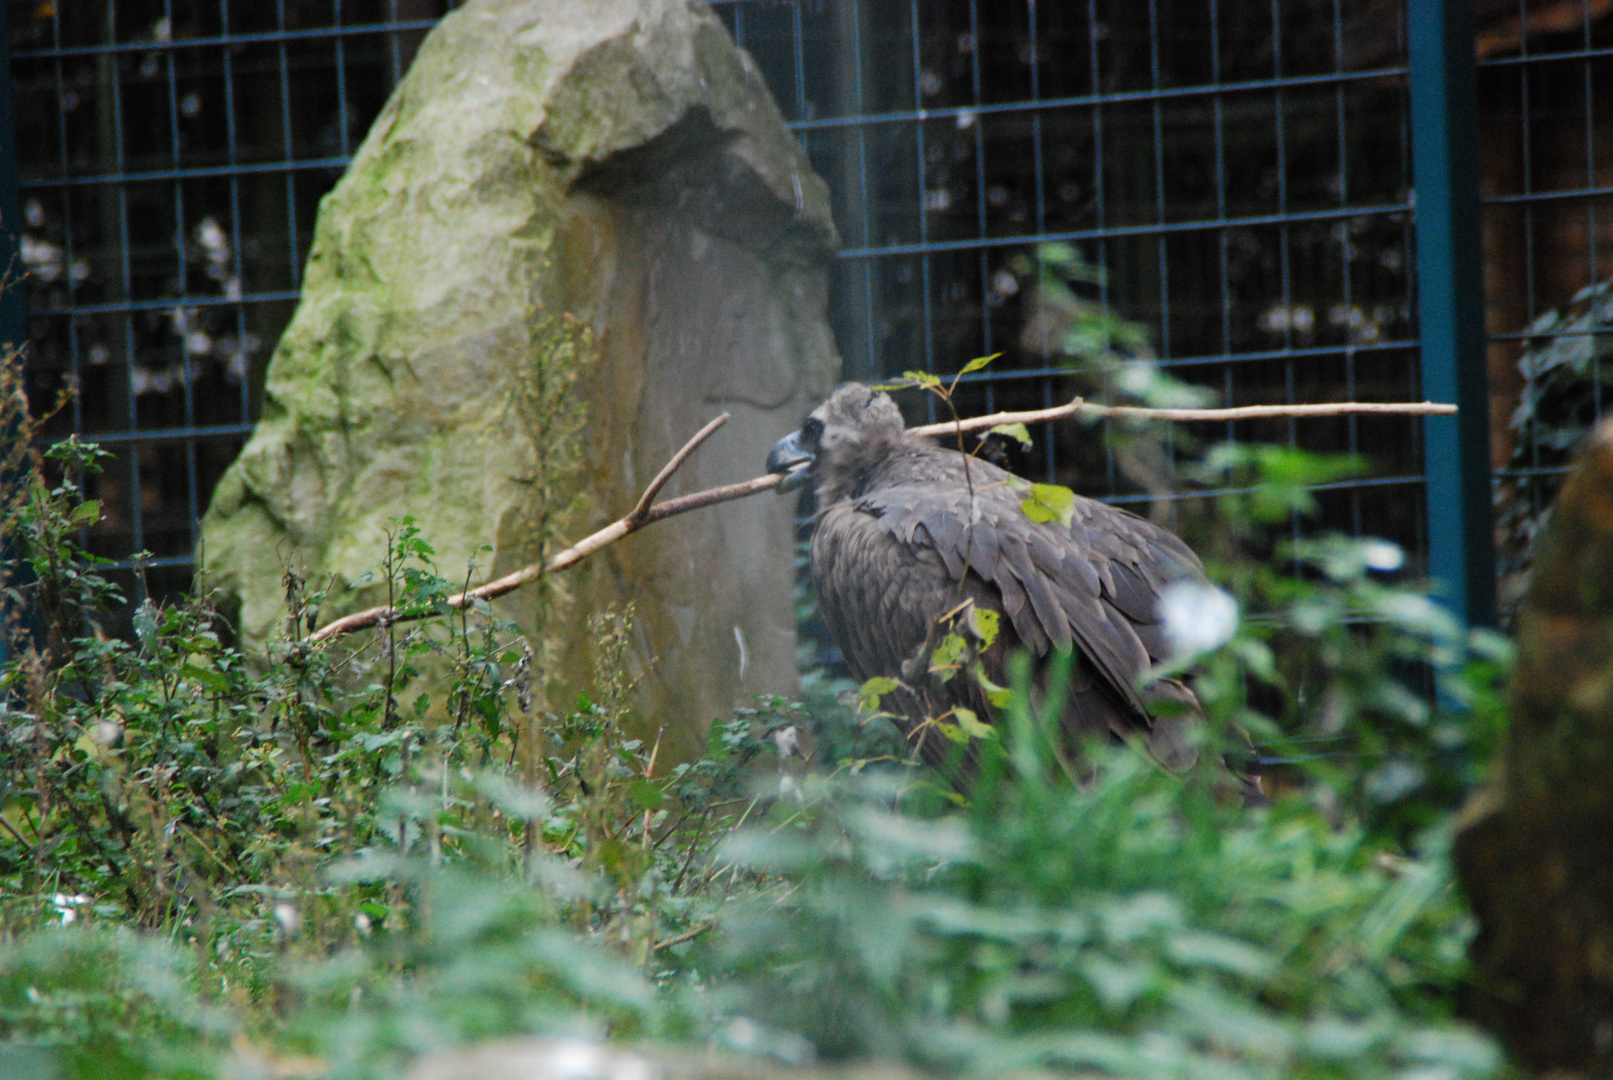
(172, 160)
(1233, 176)
(1546, 158)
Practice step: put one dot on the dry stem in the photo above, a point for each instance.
(1242, 412)
(641, 515)
(645, 514)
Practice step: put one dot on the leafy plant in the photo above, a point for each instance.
(105, 1002)
(312, 861)
(1123, 920)
(1568, 383)
(1135, 926)
(306, 834)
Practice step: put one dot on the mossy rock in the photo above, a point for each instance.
(602, 195)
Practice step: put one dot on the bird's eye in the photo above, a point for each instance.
(811, 430)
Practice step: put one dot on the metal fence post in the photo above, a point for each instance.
(13, 313)
(13, 326)
(1450, 304)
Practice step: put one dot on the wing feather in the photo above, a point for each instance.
(1133, 594)
(984, 550)
(891, 562)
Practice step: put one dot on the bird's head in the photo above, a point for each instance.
(842, 438)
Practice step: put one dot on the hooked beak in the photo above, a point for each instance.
(789, 458)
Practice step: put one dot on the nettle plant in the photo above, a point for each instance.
(315, 853)
(304, 834)
(1108, 915)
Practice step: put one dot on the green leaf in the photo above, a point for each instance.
(1050, 502)
(86, 513)
(923, 378)
(212, 680)
(1283, 477)
(999, 696)
(986, 625)
(1118, 985)
(949, 654)
(978, 362)
(1013, 431)
(1195, 948)
(969, 722)
(874, 689)
(647, 793)
(145, 624)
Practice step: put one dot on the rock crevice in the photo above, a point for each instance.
(609, 182)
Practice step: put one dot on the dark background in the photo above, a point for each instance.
(1240, 171)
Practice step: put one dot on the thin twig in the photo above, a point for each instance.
(688, 935)
(644, 514)
(13, 831)
(583, 548)
(1242, 412)
(672, 466)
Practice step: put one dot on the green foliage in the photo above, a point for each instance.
(345, 868)
(1137, 926)
(310, 856)
(1267, 484)
(1567, 369)
(1354, 679)
(103, 1003)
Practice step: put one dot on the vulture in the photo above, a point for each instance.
(908, 533)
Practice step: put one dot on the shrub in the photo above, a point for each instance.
(203, 857)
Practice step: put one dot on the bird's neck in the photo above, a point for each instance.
(893, 461)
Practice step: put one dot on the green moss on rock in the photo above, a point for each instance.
(551, 173)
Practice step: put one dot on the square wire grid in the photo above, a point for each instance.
(1239, 172)
(172, 157)
(1546, 160)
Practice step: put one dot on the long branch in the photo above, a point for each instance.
(643, 505)
(1241, 412)
(641, 515)
(645, 514)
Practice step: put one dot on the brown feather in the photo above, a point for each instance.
(908, 530)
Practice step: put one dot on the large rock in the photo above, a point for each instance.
(607, 179)
(1535, 850)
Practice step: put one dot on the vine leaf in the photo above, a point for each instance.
(978, 362)
(1050, 502)
(1012, 431)
(870, 693)
(969, 722)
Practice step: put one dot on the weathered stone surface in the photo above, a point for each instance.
(616, 165)
(1535, 852)
(579, 1059)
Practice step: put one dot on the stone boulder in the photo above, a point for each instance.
(1534, 851)
(607, 185)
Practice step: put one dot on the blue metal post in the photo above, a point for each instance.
(13, 326)
(1450, 304)
(12, 312)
